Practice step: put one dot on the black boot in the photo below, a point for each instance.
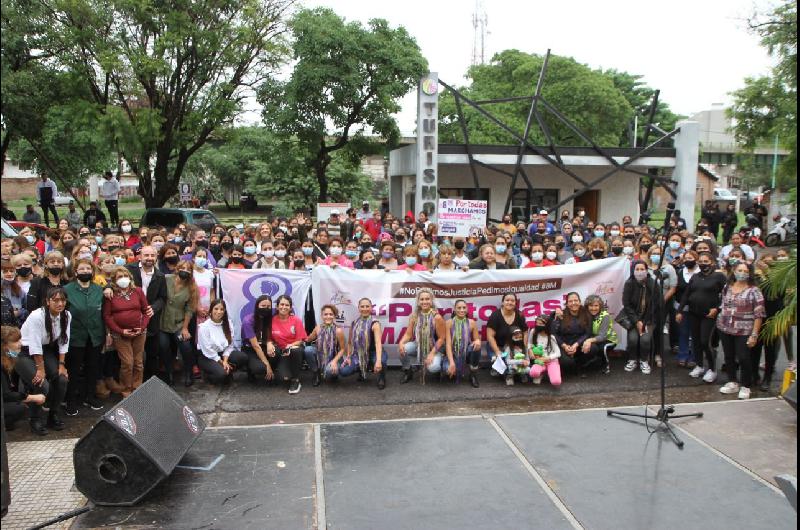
(473, 378)
(188, 380)
(317, 378)
(765, 383)
(37, 427)
(54, 421)
(382, 379)
(408, 374)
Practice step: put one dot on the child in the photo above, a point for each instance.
(545, 352)
(516, 358)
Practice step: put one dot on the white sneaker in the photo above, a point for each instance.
(744, 393)
(710, 376)
(630, 366)
(729, 388)
(645, 367)
(537, 380)
(696, 372)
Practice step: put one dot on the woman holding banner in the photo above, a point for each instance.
(366, 345)
(463, 344)
(425, 335)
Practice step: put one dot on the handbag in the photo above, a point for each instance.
(624, 320)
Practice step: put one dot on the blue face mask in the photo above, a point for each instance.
(424, 253)
(201, 262)
(500, 249)
(599, 233)
(93, 248)
(31, 240)
(119, 261)
(249, 250)
(178, 239)
(13, 354)
(352, 254)
(99, 239)
(307, 251)
(674, 245)
(411, 261)
(655, 259)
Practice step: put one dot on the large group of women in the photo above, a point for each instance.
(90, 311)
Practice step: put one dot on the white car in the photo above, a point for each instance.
(62, 200)
(724, 194)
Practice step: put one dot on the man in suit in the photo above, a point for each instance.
(154, 284)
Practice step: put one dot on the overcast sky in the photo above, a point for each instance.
(694, 51)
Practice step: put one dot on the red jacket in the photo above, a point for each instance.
(373, 227)
(119, 313)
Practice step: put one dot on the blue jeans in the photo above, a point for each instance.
(410, 350)
(344, 370)
(169, 346)
(312, 359)
(685, 339)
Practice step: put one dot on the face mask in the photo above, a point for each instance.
(249, 250)
(84, 277)
(184, 275)
(226, 246)
(577, 238)
(640, 275)
(629, 236)
(358, 235)
(459, 245)
(126, 228)
(31, 240)
(118, 261)
(365, 246)
(23, 271)
(424, 253)
(123, 282)
(614, 233)
(308, 251)
(236, 240)
(537, 256)
(645, 247)
(202, 243)
(264, 311)
(171, 260)
(93, 248)
(268, 253)
(561, 245)
(655, 259)
(733, 261)
(599, 233)
(616, 250)
(539, 328)
(236, 259)
(411, 261)
(352, 254)
(280, 254)
(55, 271)
(85, 255)
(283, 229)
(336, 251)
(580, 252)
(178, 239)
(540, 230)
(597, 253)
(99, 239)
(368, 264)
(662, 244)
(741, 276)
(674, 245)
(201, 262)
(500, 249)
(779, 258)
(627, 250)
(705, 268)
(689, 264)
(551, 256)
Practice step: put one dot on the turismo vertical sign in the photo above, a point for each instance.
(427, 192)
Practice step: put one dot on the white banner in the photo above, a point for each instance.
(324, 210)
(241, 288)
(463, 218)
(540, 290)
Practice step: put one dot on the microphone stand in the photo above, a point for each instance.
(665, 412)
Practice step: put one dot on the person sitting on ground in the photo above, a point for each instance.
(499, 327)
(327, 357)
(424, 337)
(25, 398)
(572, 327)
(366, 343)
(544, 353)
(463, 344)
(515, 355)
(214, 340)
(603, 332)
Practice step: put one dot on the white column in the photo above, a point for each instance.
(427, 192)
(687, 158)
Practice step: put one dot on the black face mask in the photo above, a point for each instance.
(597, 253)
(112, 248)
(368, 264)
(539, 328)
(171, 260)
(184, 275)
(629, 236)
(201, 244)
(84, 276)
(616, 250)
(24, 271)
(560, 245)
(236, 259)
(690, 264)
(459, 245)
(214, 248)
(227, 246)
(299, 263)
(645, 247)
(366, 245)
(705, 268)
(55, 271)
(264, 311)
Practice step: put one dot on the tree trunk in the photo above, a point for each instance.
(320, 170)
(6, 142)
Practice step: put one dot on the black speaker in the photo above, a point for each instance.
(135, 445)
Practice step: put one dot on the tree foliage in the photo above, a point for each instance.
(600, 103)
(161, 77)
(766, 107)
(780, 281)
(345, 83)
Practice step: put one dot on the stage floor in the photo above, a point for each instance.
(578, 469)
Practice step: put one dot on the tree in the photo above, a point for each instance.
(780, 281)
(346, 78)
(766, 107)
(163, 76)
(587, 97)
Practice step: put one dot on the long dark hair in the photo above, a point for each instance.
(56, 292)
(226, 325)
(262, 325)
(583, 317)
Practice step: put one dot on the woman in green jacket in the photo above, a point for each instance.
(182, 295)
(603, 332)
(87, 337)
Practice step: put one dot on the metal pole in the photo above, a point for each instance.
(774, 161)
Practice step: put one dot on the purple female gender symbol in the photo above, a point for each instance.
(263, 284)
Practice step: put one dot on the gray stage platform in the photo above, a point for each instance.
(541, 470)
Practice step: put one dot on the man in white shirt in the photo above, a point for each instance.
(736, 242)
(109, 191)
(364, 214)
(46, 192)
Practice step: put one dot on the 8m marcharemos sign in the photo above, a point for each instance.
(540, 290)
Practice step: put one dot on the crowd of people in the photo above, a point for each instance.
(92, 309)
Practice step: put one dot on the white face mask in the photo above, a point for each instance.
(280, 254)
(627, 250)
(537, 256)
(126, 228)
(551, 256)
(580, 253)
(269, 253)
(577, 238)
(123, 282)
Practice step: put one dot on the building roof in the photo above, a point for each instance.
(707, 172)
